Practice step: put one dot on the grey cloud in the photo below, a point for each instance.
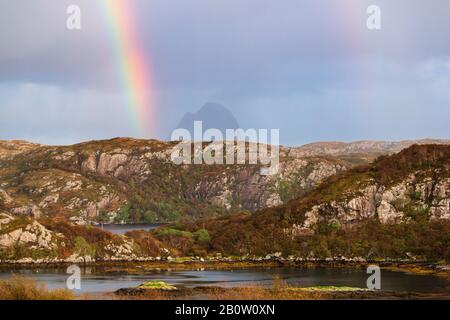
(310, 68)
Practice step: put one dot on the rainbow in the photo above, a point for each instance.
(133, 65)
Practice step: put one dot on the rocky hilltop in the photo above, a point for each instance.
(9, 149)
(316, 207)
(398, 205)
(25, 240)
(369, 148)
(126, 180)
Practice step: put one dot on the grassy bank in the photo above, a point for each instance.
(139, 267)
(19, 288)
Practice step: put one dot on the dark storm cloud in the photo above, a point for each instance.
(308, 67)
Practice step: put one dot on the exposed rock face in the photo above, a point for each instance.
(423, 194)
(124, 251)
(9, 149)
(96, 179)
(4, 197)
(30, 210)
(90, 164)
(49, 200)
(5, 219)
(38, 244)
(33, 234)
(359, 147)
(109, 163)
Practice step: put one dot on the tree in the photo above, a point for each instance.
(202, 235)
(83, 248)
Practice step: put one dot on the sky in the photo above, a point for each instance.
(310, 68)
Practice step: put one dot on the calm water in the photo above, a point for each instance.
(103, 279)
(124, 228)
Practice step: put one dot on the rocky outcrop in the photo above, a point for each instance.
(359, 147)
(32, 234)
(5, 198)
(94, 180)
(413, 197)
(27, 210)
(25, 240)
(9, 149)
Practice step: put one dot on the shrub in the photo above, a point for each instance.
(18, 288)
(151, 216)
(166, 212)
(124, 213)
(202, 235)
(147, 243)
(83, 248)
(169, 232)
(178, 239)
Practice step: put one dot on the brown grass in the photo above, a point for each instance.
(278, 291)
(260, 293)
(19, 288)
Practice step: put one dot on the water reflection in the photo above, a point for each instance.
(104, 279)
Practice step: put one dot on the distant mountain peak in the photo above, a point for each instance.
(212, 115)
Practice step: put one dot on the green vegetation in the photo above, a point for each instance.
(265, 231)
(162, 212)
(169, 232)
(124, 214)
(172, 193)
(370, 239)
(157, 285)
(17, 223)
(20, 250)
(83, 248)
(202, 235)
(91, 241)
(294, 185)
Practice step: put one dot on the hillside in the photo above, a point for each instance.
(398, 206)
(367, 147)
(127, 180)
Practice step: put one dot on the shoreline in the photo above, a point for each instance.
(415, 267)
(276, 292)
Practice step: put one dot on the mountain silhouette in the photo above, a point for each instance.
(213, 116)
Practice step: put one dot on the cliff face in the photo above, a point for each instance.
(367, 148)
(25, 240)
(415, 197)
(411, 185)
(8, 149)
(394, 206)
(136, 180)
(397, 206)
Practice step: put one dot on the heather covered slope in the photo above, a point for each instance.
(131, 180)
(398, 207)
(128, 180)
(367, 147)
